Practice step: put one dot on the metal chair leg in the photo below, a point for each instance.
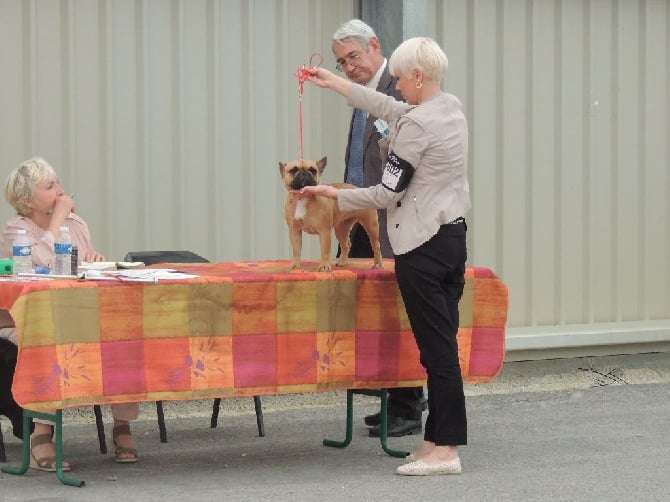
(215, 413)
(259, 416)
(161, 421)
(100, 425)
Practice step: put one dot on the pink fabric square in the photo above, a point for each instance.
(377, 355)
(255, 359)
(123, 363)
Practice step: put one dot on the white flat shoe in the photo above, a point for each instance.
(410, 458)
(420, 468)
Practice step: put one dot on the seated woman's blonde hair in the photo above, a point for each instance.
(21, 183)
(419, 53)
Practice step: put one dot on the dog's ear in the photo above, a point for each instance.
(282, 166)
(321, 165)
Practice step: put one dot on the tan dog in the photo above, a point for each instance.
(320, 215)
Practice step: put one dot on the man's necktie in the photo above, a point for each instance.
(355, 166)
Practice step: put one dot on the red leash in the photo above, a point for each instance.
(303, 73)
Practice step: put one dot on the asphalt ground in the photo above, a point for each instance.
(591, 429)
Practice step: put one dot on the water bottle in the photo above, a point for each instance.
(63, 248)
(22, 253)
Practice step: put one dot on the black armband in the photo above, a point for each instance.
(397, 173)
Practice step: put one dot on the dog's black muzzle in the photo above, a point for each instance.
(302, 179)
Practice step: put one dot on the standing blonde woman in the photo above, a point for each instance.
(425, 191)
(42, 208)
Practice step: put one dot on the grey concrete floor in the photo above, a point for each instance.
(587, 429)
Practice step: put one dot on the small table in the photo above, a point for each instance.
(238, 329)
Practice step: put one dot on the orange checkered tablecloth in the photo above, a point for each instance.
(239, 329)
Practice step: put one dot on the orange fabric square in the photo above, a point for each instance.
(254, 307)
(120, 312)
(489, 303)
(80, 370)
(464, 340)
(296, 358)
(211, 362)
(39, 380)
(167, 364)
(377, 306)
(336, 359)
(409, 365)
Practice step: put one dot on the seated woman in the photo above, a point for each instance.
(42, 207)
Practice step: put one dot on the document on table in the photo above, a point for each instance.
(102, 265)
(150, 274)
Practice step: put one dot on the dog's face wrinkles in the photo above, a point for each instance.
(301, 173)
(303, 178)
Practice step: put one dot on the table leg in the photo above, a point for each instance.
(383, 426)
(57, 418)
(350, 422)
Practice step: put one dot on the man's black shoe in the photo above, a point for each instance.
(373, 419)
(398, 426)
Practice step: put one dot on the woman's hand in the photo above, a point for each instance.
(63, 206)
(328, 80)
(310, 191)
(93, 256)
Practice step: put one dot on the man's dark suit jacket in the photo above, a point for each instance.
(372, 173)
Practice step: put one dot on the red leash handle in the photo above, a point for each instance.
(303, 73)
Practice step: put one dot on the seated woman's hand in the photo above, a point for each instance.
(64, 205)
(93, 256)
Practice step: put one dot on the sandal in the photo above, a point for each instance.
(123, 430)
(47, 464)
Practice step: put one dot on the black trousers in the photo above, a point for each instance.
(431, 279)
(9, 407)
(403, 402)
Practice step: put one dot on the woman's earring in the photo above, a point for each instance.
(418, 84)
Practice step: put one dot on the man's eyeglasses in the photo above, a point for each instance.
(350, 59)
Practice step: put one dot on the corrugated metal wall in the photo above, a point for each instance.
(569, 107)
(167, 119)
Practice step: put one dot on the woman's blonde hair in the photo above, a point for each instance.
(419, 53)
(22, 181)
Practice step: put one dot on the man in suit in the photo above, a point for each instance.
(359, 55)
